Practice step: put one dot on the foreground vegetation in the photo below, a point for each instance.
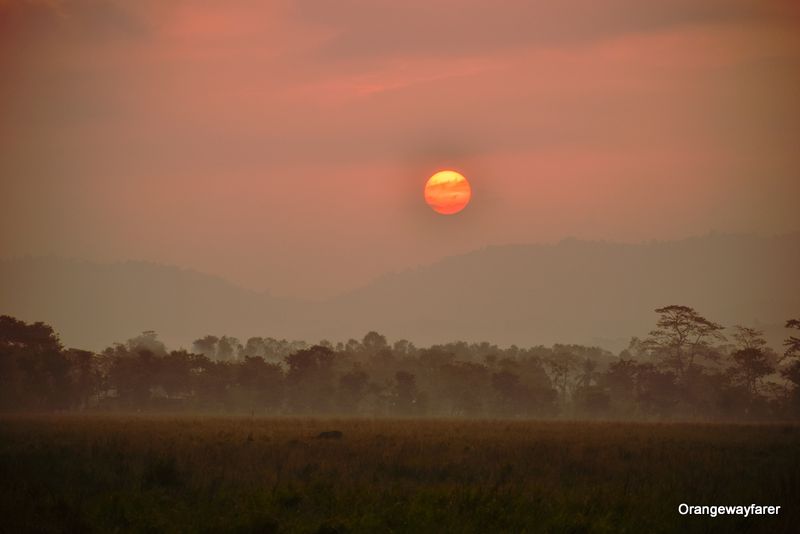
(187, 474)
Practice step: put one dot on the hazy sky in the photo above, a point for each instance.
(285, 145)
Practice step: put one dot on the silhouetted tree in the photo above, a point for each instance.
(657, 391)
(588, 373)
(435, 357)
(515, 398)
(207, 346)
(132, 375)
(682, 335)
(458, 378)
(261, 383)
(33, 371)
(592, 400)
(353, 346)
(791, 370)
(147, 340)
(228, 349)
(404, 347)
(352, 390)
(405, 393)
(173, 373)
(563, 367)
(750, 362)
(620, 381)
(254, 346)
(310, 380)
(748, 338)
(463, 386)
(510, 393)
(84, 377)
(374, 342)
(212, 384)
(792, 343)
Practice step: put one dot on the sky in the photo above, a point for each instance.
(285, 145)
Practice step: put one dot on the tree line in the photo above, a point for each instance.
(687, 367)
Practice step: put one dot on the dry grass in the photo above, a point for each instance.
(188, 474)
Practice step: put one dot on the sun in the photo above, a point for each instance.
(447, 192)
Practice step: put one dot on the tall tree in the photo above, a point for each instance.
(792, 343)
(85, 377)
(405, 393)
(132, 375)
(228, 349)
(374, 343)
(750, 361)
(261, 382)
(147, 340)
(463, 387)
(310, 379)
(620, 381)
(34, 372)
(207, 346)
(352, 390)
(681, 336)
(255, 346)
(791, 371)
(748, 338)
(563, 365)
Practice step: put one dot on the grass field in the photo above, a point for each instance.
(200, 474)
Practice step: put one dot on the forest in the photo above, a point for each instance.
(687, 368)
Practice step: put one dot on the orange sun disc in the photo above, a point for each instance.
(447, 192)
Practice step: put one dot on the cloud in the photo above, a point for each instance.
(379, 29)
(91, 20)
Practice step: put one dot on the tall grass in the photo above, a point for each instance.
(200, 474)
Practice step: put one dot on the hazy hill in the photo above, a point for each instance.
(582, 292)
(93, 305)
(572, 292)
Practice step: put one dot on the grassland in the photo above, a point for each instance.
(201, 474)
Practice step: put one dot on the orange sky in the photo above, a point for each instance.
(284, 145)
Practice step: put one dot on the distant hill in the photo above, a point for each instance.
(582, 292)
(93, 305)
(572, 292)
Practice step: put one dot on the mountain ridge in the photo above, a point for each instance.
(572, 291)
